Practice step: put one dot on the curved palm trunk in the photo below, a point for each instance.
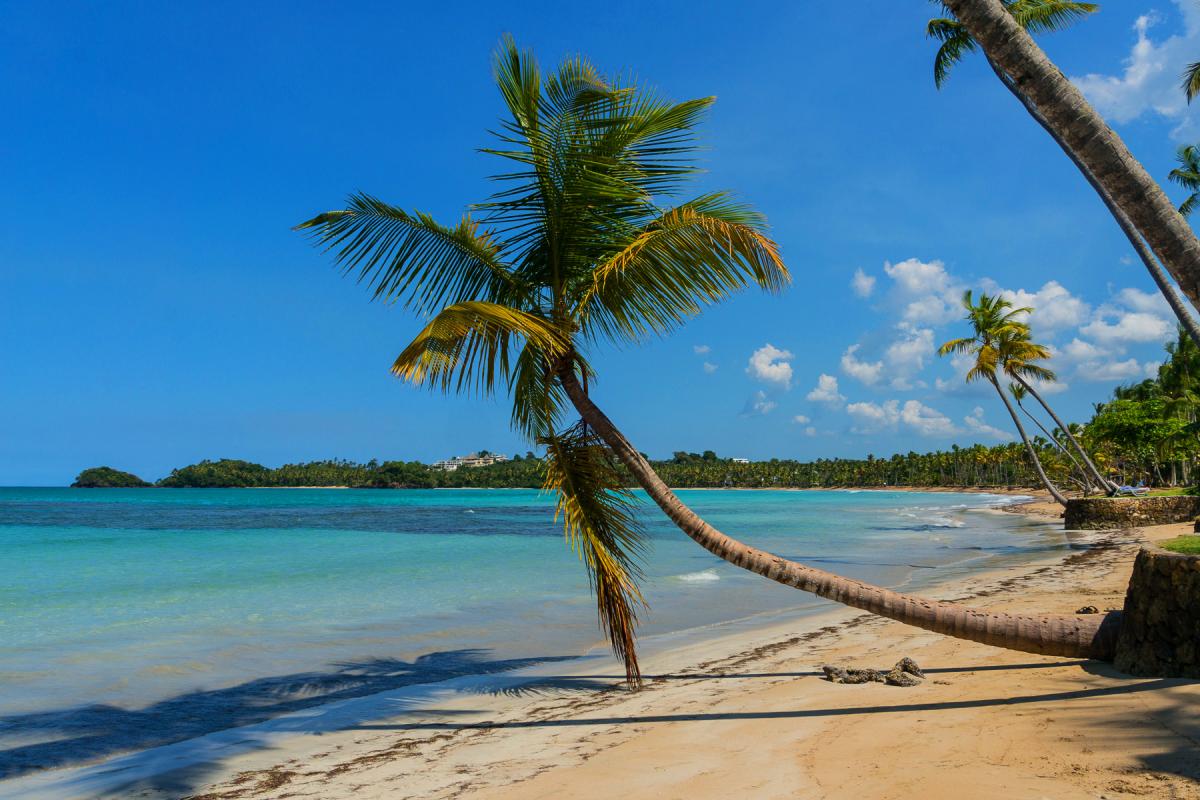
(1157, 274)
(1037, 462)
(1109, 486)
(1068, 636)
(1086, 485)
(1085, 134)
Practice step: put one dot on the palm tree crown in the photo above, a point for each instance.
(1035, 16)
(578, 246)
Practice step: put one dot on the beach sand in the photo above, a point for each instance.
(748, 715)
(744, 715)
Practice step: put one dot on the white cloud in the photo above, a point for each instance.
(866, 371)
(1134, 326)
(919, 277)
(1079, 350)
(929, 294)
(1146, 302)
(920, 418)
(906, 357)
(925, 420)
(871, 417)
(701, 349)
(1150, 80)
(976, 424)
(709, 367)
(810, 431)
(862, 283)
(1053, 306)
(1115, 370)
(770, 365)
(758, 405)
(800, 419)
(826, 392)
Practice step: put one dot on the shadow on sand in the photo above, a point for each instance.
(90, 733)
(61, 737)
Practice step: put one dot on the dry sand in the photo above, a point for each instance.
(749, 716)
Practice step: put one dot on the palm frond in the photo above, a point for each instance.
(468, 346)
(956, 41)
(963, 345)
(600, 520)
(691, 257)
(1048, 16)
(410, 257)
(1191, 80)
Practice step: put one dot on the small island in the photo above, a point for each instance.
(108, 478)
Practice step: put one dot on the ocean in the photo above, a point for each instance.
(136, 618)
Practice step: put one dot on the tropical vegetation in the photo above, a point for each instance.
(107, 478)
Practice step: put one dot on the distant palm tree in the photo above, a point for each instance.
(576, 250)
(998, 335)
(1187, 175)
(1019, 394)
(1046, 16)
(1019, 362)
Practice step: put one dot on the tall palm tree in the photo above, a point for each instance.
(1069, 115)
(1187, 175)
(576, 249)
(1044, 16)
(997, 334)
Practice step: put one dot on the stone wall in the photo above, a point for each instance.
(1107, 513)
(1160, 628)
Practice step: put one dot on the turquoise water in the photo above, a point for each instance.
(131, 618)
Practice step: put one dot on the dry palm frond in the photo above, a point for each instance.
(600, 519)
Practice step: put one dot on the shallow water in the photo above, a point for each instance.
(130, 618)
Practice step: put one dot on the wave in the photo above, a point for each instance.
(703, 576)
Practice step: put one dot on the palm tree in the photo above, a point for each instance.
(1019, 362)
(1019, 394)
(1084, 132)
(1044, 16)
(998, 335)
(575, 249)
(1187, 175)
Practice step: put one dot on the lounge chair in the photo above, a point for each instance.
(1132, 491)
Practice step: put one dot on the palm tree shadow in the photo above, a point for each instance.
(61, 737)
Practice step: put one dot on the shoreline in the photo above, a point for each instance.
(535, 733)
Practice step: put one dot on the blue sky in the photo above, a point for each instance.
(156, 308)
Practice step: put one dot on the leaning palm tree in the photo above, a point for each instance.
(1084, 134)
(1187, 175)
(574, 250)
(997, 335)
(1020, 362)
(1045, 16)
(1019, 393)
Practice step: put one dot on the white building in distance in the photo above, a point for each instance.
(472, 460)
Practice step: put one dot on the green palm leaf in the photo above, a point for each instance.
(468, 346)
(690, 257)
(410, 257)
